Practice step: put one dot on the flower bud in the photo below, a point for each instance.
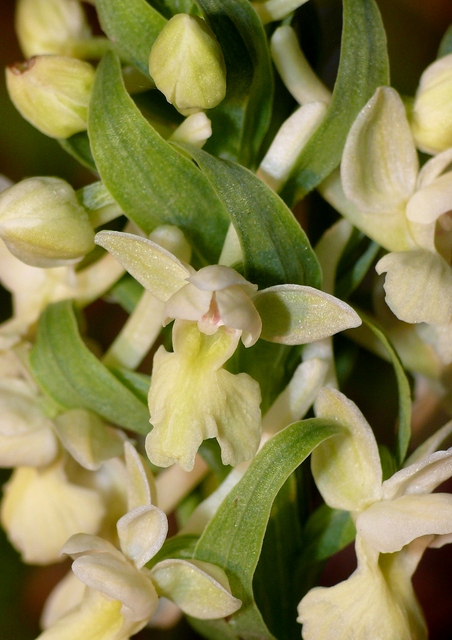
(42, 223)
(187, 65)
(432, 115)
(49, 26)
(52, 93)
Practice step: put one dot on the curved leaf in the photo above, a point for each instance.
(75, 378)
(133, 26)
(233, 538)
(275, 247)
(140, 169)
(363, 67)
(242, 118)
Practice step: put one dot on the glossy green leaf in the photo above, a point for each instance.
(140, 169)
(327, 532)
(233, 538)
(133, 26)
(241, 120)
(404, 413)
(75, 378)
(78, 147)
(363, 67)
(275, 248)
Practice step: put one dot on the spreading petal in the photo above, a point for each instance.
(198, 588)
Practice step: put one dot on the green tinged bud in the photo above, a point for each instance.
(187, 65)
(52, 93)
(42, 223)
(50, 26)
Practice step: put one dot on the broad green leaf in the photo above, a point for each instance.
(445, 46)
(137, 383)
(233, 538)
(275, 248)
(240, 122)
(133, 26)
(355, 262)
(126, 292)
(363, 67)
(78, 147)
(404, 414)
(151, 181)
(75, 378)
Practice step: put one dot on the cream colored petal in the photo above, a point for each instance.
(41, 509)
(191, 398)
(189, 303)
(200, 589)
(82, 543)
(96, 618)
(119, 580)
(237, 311)
(421, 477)
(360, 608)
(142, 533)
(432, 444)
(427, 204)
(141, 489)
(155, 268)
(346, 468)
(88, 439)
(433, 168)
(67, 595)
(418, 286)
(272, 10)
(294, 314)
(217, 277)
(379, 164)
(389, 525)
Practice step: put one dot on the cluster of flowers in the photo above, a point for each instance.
(81, 487)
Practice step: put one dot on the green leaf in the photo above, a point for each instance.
(445, 46)
(181, 546)
(363, 67)
(233, 538)
(137, 383)
(133, 26)
(241, 120)
(327, 532)
(275, 248)
(355, 262)
(404, 413)
(151, 181)
(78, 147)
(75, 378)
(126, 292)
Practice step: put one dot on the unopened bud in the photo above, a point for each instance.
(50, 26)
(432, 115)
(52, 93)
(187, 65)
(42, 223)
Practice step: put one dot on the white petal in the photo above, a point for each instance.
(272, 10)
(142, 532)
(155, 268)
(426, 205)
(189, 303)
(82, 543)
(418, 286)
(295, 314)
(216, 277)
(432, 444)
(433, 168)
(346, 468)
(141, 489)
(119, 580)
(379, 164)
(237, 311)
(198, 588)
(389, 525)
(67, 595)
(421, 477)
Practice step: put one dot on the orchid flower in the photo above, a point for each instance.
(402, 208)
(396, 520)
(122, 593)
(191, 396)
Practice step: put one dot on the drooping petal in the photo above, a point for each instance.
(346, 468)
(295, 314)
(198, 588)
(418, 286)
(96, 618)
(389, 525)
(142, 532)
(191, 398)
(41, 509)
(362, 607)
(155, 268)
(379, 164)
(119, 580)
